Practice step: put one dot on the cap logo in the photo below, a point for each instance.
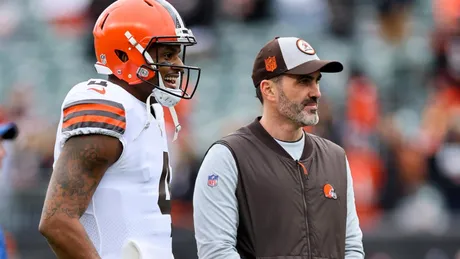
(270, 64)
(305, 47)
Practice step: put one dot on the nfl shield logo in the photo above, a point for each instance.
(212, 180)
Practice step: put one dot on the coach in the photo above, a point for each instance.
(271, 190)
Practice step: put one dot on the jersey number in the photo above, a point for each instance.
(164, 200)
(101, 83)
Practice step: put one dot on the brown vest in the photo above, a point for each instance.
(286, 207)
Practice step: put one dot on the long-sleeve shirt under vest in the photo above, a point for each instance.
(217, 206)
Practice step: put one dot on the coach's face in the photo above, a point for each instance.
(298, 98)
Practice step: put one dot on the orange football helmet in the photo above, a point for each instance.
(132, 27)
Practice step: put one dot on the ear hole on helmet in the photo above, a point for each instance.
(103, 22)
(151, 5)
(121, 55)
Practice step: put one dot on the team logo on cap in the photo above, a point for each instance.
(305, 47)
(270, 64)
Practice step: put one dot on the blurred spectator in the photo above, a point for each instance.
(440, 117)
(363, 106)
(34, 144)
(360, 140)
(446, 44)
(10, 17)
(342, 18)
(303, 15)
(247, 10)
(394, 16)
(368, 179)
(446, 13)
(196, 13)
(67, 16)
(23, 165)
(445, 165)
(8, 132)
(418, 205)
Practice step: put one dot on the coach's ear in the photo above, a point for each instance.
(268, 90)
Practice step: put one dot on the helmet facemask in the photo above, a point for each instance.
(187, 81)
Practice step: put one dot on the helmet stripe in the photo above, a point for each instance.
(173, 12)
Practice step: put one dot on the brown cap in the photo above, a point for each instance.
(289, 55)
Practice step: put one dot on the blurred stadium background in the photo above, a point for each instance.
(395, 108)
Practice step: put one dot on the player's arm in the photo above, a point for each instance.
(216, 208)
(92, 136)
(353, 241)
(78, 171)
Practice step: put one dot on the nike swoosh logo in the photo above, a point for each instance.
(101, 91)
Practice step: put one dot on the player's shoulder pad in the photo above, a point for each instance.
(94, 106)
(96, 89)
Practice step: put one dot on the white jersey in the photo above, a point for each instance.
(131, 203)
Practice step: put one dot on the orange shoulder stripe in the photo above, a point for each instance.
(93, 106)
(94, 113)
(95, 119)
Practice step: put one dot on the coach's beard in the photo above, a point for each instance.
(296, 112)
(309, 118)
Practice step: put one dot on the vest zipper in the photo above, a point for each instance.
(303, 171)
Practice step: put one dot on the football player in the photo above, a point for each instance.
(108, 196)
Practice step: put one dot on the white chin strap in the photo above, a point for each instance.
(168, 100)
(162, 97)
(177, 126)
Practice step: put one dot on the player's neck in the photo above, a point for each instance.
(134, 91)
(280, 128)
